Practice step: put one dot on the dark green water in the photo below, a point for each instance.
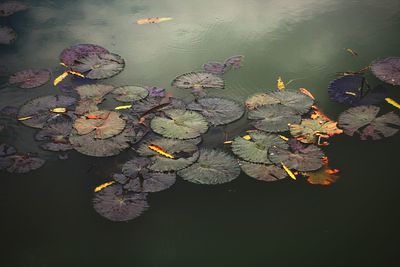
(47, 218)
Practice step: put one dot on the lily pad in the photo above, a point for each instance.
(155, 91)
(212, 167)
(117, 204)
(323, 176)
(364, 121)
(256, 149)
(309, 131)
(215, 67)
(104, 123)
(30, 78)
(7, 35)
(218, 111)
(69, 55)
(234, 61)
(20, 163)
(56, 131)
(39, 109)
(262, 172)
(180, 124)
(130, 93)
(353, 90)
(11, 7)
(184, 154)
(387, 70)
(99, 66)
(306, 159)
(297, 101)
(91, 95)
(202, 80)
(133, 167)
(273, 118)
(6, 150)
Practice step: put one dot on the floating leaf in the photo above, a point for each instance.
(300, 102)
(273, 118)
(215, 67)
(309, 131)
(56, 131)
(262, 172)
(201, 80)
(20, 163)
(323, 176)
(99, 66)
(392, 102)
(6, 150)
(234, 61)
(155, 91)
(218, 111)
(153, 20)
(256, 149)
(7, 35)
(387, 70)
(363, 121)
(102, 186)
(304, 159)
(180, 124)
(11, 7)
(91, 95)
(280, 84)
(38, 110)
(133, 167)
(212, 167)
(69, 55)
(104, 123)
(130, 93)
(117, 204)
(183, 153)
(351, 90)
(30, 78)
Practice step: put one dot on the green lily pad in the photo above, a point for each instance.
(198, 80)
(99, 65)
(212, 167)
(180, 124)
(130, 93)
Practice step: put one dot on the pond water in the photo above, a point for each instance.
(47, 215)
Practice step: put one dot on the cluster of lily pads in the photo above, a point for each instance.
(7, 34)
(166, 133)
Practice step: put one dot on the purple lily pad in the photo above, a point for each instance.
(38, 111)
(215, 67)
(235, 61)
(11, 7)
(387, 70)
(30, 78)
(9, 111)
(7, 35)
(20, 163)
(117, 204)
(203, 80)
(6, 150)
(57, 132)
(364, 121)
(69, 55)
(155, 91)
(263, 172)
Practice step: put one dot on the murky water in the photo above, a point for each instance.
(47, 216)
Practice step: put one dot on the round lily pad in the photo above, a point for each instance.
(99, 66)
(308, 131)
(30, 78)
(262, 172)
(183, 154)
(69, 55)
(180, 124)
(104, 123)
(56, 132)
(364, 121)
(117, 204)
(304, 159)
(273, 118)
(387, 70)
(203, 80)
(353, 90)
(20, 163)
(39, 109)
(7, 35)
(297, 101)
(130, 93)
(10, 7)
(256, 149)
(212, 167)
(218, 111)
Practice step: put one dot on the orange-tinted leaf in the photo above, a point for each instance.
(160, 151)
(102, 186)
(324, 176)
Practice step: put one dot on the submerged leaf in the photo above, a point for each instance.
(262, 172)
(256, 149)
(7, 35)
(218, 111)
(212, 167)
(363, 121)
(387, 70)
(6, 150)
(180, 124)
(202, 80)
(117, 204)
(10, 7)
